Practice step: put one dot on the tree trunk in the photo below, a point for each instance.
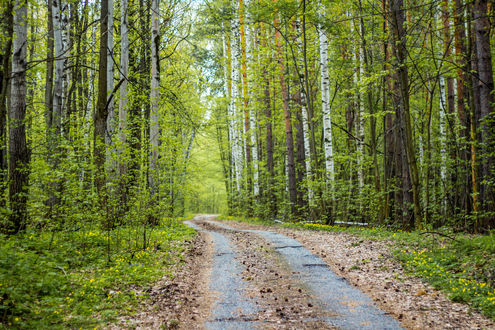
(109, 135)
(49, 69)
(6, 33)
(486, 121)
(18, 151)
(325, 103)
(234, 100)
(462, 100)
(153, 178)
(101, 112)
(399, 46)
(124, 74)
(245, 97)
(289, 140)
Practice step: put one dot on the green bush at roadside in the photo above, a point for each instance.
(76, 279)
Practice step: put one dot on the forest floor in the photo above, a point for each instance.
(235, 278)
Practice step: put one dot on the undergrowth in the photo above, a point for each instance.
(76, 279)
(461, 265)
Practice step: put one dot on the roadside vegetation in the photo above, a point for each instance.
(84, 277)
(459, 264)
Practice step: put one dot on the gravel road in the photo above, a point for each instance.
(330, 302)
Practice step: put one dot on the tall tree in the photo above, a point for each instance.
(124, 76)
(155, 100)
(400, 52)
(6, 37)
(325, 100)
(101, 111)
(486, 116)
(289, 140)
(18, 151)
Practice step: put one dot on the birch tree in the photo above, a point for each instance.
(101, 112)
(325, 101)
(235, 97)
(155, 99)
(110, 100)
(124, 75)
(18, 151)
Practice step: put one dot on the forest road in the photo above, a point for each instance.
(262, 279)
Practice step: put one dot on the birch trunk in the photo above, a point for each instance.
(307, 153)
(58, 81)
(306, 135)
(101, 113)
(245, 97)
(18, 151)
(236, 115)
(227, 92)
(325, 103)
(154, 98)
(124, 72)
(443, 138)
(49, 70)
(442, 121)
(111, 112)
(5, 73)
(252, 114)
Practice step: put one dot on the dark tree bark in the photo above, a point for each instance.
(269, 146)
(289, 140)
(462, 99)
(452, 191)
(400, 52)
(49, 69)
(101, 111)
(18, 151)
(300, 156)
(486, 121)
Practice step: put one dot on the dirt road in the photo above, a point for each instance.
(244, 276)
(261, 279)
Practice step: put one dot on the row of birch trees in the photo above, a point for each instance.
(367, 111)
(99, 106)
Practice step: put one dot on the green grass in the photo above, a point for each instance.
(68, 280)
(462, 266)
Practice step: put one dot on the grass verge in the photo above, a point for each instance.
(84, 278)
(461, 265)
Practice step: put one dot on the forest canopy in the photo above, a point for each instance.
(361, 111)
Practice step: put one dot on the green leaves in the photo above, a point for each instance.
(63, 279)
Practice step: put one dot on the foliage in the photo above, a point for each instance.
(86, 276)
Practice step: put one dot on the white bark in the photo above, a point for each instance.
(305, 123)
(155, 83)
(237, 116)
(360, 117)
(124, 72)
(252, 115)
(59, 38)
(443, 111)
(307, 153)
(111, 112)
(325, 100)
(228, 96)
